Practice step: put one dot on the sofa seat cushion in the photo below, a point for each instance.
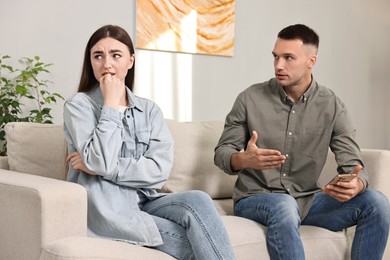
(224, 206)
(95, 248)
(193, 165)
(249, 240)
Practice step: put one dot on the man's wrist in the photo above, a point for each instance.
(235, 162)
(362, 185)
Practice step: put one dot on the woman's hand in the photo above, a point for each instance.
(113, 90)
(77, 163)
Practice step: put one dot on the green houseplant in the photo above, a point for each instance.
(18, 85)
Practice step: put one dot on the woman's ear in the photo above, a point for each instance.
(131, 63)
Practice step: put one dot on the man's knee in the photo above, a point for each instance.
(374, 197)
(279, 209)
(378, 202)
(287, 211)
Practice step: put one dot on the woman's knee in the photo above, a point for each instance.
(195, 198)
(195, 194)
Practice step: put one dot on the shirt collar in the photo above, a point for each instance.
(305, 95)
(133, 100)
(97, 96)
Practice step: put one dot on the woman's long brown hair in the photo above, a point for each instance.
(88, 80)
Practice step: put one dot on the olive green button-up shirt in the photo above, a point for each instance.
(303, 131)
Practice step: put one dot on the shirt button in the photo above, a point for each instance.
(286, 155)
(293, 111)
(288, 190)
(284, 175)
(289, 133)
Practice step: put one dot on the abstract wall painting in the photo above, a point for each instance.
(189, 26)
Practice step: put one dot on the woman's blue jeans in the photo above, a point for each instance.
(369, 211)
(190, 226)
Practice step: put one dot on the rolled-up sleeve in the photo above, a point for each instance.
(234, 136)
(97, 139)
(344, 146)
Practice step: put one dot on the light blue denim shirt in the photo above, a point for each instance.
(132, 155)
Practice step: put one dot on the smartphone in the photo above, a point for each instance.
(347, 177)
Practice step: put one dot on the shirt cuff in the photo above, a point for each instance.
(227, 161)
(112, 114)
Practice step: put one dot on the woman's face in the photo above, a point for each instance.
(111, 56)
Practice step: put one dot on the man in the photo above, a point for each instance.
(276, 138)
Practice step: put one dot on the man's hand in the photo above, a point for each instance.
(344, 191)
(77, 163)
(256, 158)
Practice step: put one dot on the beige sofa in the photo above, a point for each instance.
(44, 217)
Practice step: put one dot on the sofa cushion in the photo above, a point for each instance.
(249, 240)
(84, 248)
(38, 149)
(193, 165)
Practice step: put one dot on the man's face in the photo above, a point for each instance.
(293, 62)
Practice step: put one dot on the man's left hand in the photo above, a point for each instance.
(344, 191)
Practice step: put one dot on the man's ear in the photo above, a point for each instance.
(312, 61)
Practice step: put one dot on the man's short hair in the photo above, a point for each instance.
(301, 32)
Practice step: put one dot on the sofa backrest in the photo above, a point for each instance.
(40, 149)
(193, 164)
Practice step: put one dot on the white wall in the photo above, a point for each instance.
(354, 57)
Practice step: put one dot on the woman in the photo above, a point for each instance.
(121, 151)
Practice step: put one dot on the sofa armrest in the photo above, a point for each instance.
(4, 163)
(36, 210)
(377, 164)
